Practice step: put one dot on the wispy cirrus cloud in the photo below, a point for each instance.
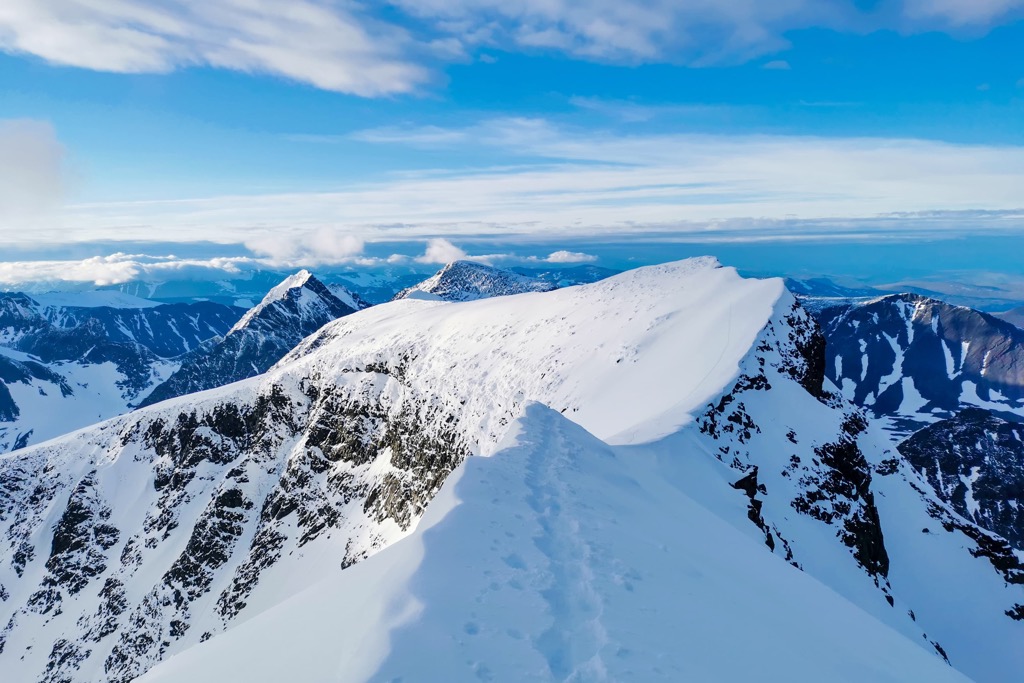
(372, 50)
(330, 45)
(555, 180)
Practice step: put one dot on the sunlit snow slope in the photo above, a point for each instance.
(252, 513)
(554, 560)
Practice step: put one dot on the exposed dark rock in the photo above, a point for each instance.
(975, 462)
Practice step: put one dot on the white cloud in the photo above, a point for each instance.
(777, 65)
(564, 256)
(32, 178)
(624, 30)
(372, 50)
(960, 13)
(117, 268)
(323, 245)
(440, 250)
(320, 42)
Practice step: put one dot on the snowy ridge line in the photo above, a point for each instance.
(229, 504)
(349, 458)
(485, 591)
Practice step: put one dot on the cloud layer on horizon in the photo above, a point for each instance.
(567, 182)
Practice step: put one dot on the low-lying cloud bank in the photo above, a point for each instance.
(340, 251)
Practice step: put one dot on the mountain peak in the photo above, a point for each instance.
(298, 306)
(469, 281)
(289, 294)
(297, 280)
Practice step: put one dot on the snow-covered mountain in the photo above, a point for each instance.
(348, 297)
(975, 461)
(687, 487)
(468, 281)
(295, 308)
(912, 360)
(567, 276)
(167, 330)
(70, 360)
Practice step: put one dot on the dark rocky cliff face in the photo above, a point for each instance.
(975, 462)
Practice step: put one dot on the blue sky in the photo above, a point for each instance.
(315, 131)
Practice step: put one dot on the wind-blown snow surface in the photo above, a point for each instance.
(139, 539)
(553, 560)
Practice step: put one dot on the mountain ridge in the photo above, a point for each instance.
(469, 281)
(298, 306)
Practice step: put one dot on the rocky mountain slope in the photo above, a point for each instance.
(912, 360)
(468, 281)
(295, 308)
(695, 399)
(975, 461)
(68, 361)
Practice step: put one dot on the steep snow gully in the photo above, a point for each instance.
(673, 492)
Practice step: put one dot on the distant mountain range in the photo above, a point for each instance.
(947, 382)
(70, 360)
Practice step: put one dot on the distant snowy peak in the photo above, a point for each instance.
(917, 360)
(468, 281)
(300, 296)
(294, 309)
